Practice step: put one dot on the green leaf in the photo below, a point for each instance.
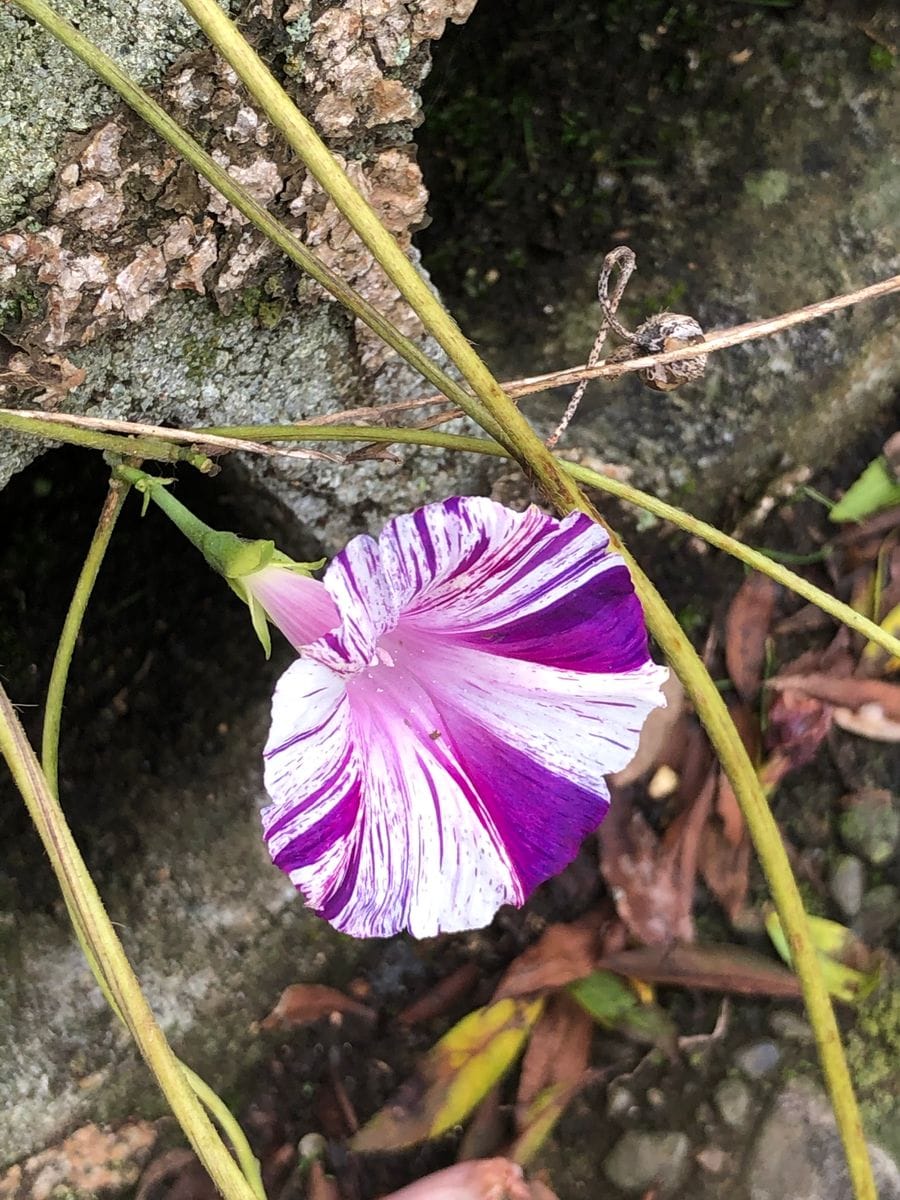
(454, 1077)
(614, 1005)
(835, 944)
(875, 489)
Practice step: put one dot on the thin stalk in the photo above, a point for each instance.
(136, 447)
(115, 498)
(59, 675)
(277, 233)
(92, 918)
(506, 423)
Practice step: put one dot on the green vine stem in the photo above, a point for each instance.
(400, 435)
(115, 499)
(499, 416)
(92, 439)
(169, 129)
(59, 675)
(91, 917)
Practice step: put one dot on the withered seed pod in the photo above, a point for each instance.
(666, 331)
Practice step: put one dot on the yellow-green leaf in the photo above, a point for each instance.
(874, 653)
(834, 944)
(541, 1116)
(454, 1076)
(875, 489)
(615, 1005)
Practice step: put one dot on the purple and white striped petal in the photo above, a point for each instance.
(374, 818)
(443, 750)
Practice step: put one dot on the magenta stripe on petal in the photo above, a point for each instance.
(542, 817)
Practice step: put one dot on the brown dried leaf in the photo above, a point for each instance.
(302, 1003)
(540, 1117)
(176, 1175)
(712, 968)
(652, 880)
(561, 954)
(321, 1186)
(844, 693)
(747, 627)
(439, 999)
(725, 867)
(557, 1053)
(487, 1131)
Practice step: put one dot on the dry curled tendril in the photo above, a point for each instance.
(664, 332)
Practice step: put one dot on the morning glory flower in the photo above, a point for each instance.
(464, 684)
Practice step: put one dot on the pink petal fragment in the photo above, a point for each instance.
(299, 605)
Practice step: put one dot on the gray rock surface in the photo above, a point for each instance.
(747, 160)
(798, 1154)
(121, 233)
(870, 825)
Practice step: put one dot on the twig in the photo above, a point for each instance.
(721, 339)
(11, 417)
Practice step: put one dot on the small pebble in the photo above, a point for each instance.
(848, 884)
(870, 825)
(758, 1059)
(714, 1160)
(619, 1101)
(788, 1025)
(734, 1102)
(642, 1160)
(879, 914)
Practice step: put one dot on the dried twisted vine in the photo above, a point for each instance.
(623, 259)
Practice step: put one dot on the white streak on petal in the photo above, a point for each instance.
(579, 725)
(413, 847)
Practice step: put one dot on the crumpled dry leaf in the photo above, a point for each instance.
(302, 1003)
(655, 735)
(453, 1077)
(652, 879)
(747, 627)
(176, 1175)
(557, 1052)
(561, 954)
(442, 996)
(851, 693)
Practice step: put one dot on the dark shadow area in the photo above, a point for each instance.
(165, 663)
